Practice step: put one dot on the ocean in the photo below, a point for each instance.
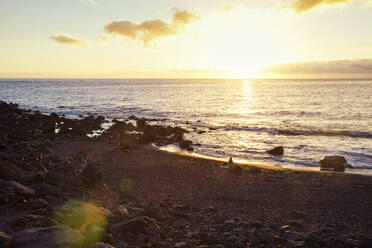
(227, 117)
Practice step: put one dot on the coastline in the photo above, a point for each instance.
(243, 163)
(174, 200)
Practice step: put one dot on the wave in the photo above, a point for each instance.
(341, 133)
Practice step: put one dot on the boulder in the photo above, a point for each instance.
(277, 151)
(336, 163)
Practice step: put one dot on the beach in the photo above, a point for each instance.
(226, 117)
(152, 198)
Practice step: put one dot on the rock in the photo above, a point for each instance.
(337, 163)
(136, 226)
(34, 238)
(103, 245)
(352, 243)
(367, 243)
(5, 240)
(229, 222)
(180, 245)
(152, 213)
(292, 243)
(277, 151)
(186, 144)
(39, 203)
(18, 188)
(9, 171)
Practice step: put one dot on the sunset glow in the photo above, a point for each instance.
(185, 39)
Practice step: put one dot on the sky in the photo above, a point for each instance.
(185, 39)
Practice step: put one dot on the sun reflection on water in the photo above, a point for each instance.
(246, 99)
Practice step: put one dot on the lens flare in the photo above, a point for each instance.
(81, 224)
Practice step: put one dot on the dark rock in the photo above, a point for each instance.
(277, 151)
(352, 243)
(5, 240)
(152, 213)
(9, 171)
(180, 245)
(39, 203)
(103, 245)
(38, 177)
(185, 144)
(136, 226)
(34, 238)
(337, 163)
(366, 243)
(18, 188)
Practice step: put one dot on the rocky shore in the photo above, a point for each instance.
(139, 197)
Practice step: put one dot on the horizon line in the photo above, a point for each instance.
(180, 78)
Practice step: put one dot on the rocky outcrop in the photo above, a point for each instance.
(277, 151)
(336, 163)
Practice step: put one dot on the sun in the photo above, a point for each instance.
(242, 41)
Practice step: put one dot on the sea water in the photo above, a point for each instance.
(227, 117)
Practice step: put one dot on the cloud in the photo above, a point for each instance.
(68, 40)
(227, 8)
(304, 5)
(336, 67)
(184, 17)
(151, 30)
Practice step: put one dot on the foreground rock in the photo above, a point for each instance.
(34, 238)
(335, 163)
(5, 240)
(9, 171)
(16, 188)
(277, 151)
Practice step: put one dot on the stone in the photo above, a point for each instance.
(34, 238)
(277, 151)
(103, 245)
(152, 213)
(5, 240)
(229, 222)
(39, 203)
(9, 171)
(180, 245)
(352, 243)
(367, 243)
(336, 162)
(18, 188)
(136, 226)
